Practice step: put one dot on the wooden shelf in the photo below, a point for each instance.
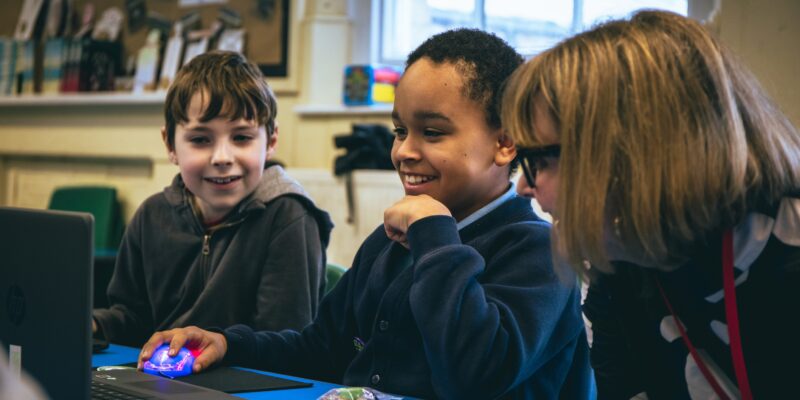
(322, 110)
(83, 99)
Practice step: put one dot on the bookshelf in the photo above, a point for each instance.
(269, 26)
(83, 99)
(101, 99)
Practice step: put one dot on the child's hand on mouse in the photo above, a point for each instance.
(398, 217)
(211, 346)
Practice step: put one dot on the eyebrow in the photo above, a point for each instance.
(202, 127)
(244, 127)
(424, 115)
(198, 128)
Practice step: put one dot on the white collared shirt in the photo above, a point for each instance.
(508, 195)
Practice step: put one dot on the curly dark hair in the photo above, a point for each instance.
(484, 60)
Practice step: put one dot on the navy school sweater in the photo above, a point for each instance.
(478, 313)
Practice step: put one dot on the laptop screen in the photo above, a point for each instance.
(46, 262)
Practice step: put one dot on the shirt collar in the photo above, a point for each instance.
(508, 195)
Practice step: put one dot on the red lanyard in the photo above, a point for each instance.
(732, 317)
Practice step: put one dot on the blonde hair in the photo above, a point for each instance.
(660, 128)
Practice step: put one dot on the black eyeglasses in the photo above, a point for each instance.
(533, 159)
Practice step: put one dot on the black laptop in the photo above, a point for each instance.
(45, 309)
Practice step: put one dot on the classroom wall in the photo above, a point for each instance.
(43, 146)
(319, 47)
(765, 36)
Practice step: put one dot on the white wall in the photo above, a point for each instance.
(766, 37)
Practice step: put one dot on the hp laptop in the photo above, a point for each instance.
(45, 309)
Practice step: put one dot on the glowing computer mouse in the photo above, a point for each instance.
(162, 364)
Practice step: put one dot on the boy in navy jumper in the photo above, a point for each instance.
(455, 296)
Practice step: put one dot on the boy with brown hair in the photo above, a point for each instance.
(233, 240)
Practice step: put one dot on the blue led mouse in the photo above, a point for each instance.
(161, 364)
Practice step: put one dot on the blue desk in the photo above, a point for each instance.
(116, 355)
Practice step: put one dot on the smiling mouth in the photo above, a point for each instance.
(223, 180)
(417, 179)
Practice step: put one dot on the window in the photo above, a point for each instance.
(529, 25)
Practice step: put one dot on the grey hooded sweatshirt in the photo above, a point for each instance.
(263, 266)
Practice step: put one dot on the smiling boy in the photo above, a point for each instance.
(455, 296)
(221, 160)
(229, 242)
(445, 148)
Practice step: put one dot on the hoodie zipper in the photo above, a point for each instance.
(206, 239)
(206, 250)
(207, 235)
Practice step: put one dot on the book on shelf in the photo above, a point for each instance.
(28, 77)
(90, 65)
(31, 20)
(55, 54)
(172, 57)
(70, 72)
(147, 63)
(8, 65)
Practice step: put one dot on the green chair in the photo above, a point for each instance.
(101, 202)
(333, 273)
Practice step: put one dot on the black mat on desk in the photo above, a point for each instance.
(234, 380)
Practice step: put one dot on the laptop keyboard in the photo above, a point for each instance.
(105, 392)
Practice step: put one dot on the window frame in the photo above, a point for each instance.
(367, 16)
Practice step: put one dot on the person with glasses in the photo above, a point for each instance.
(523, 189)
(455, 296)
(532, 161)
(673, 177)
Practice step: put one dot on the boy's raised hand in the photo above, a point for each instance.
(398, 217)
(211, 346)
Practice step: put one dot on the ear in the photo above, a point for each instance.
(272, 142)
(173, 158)
(506, 151)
